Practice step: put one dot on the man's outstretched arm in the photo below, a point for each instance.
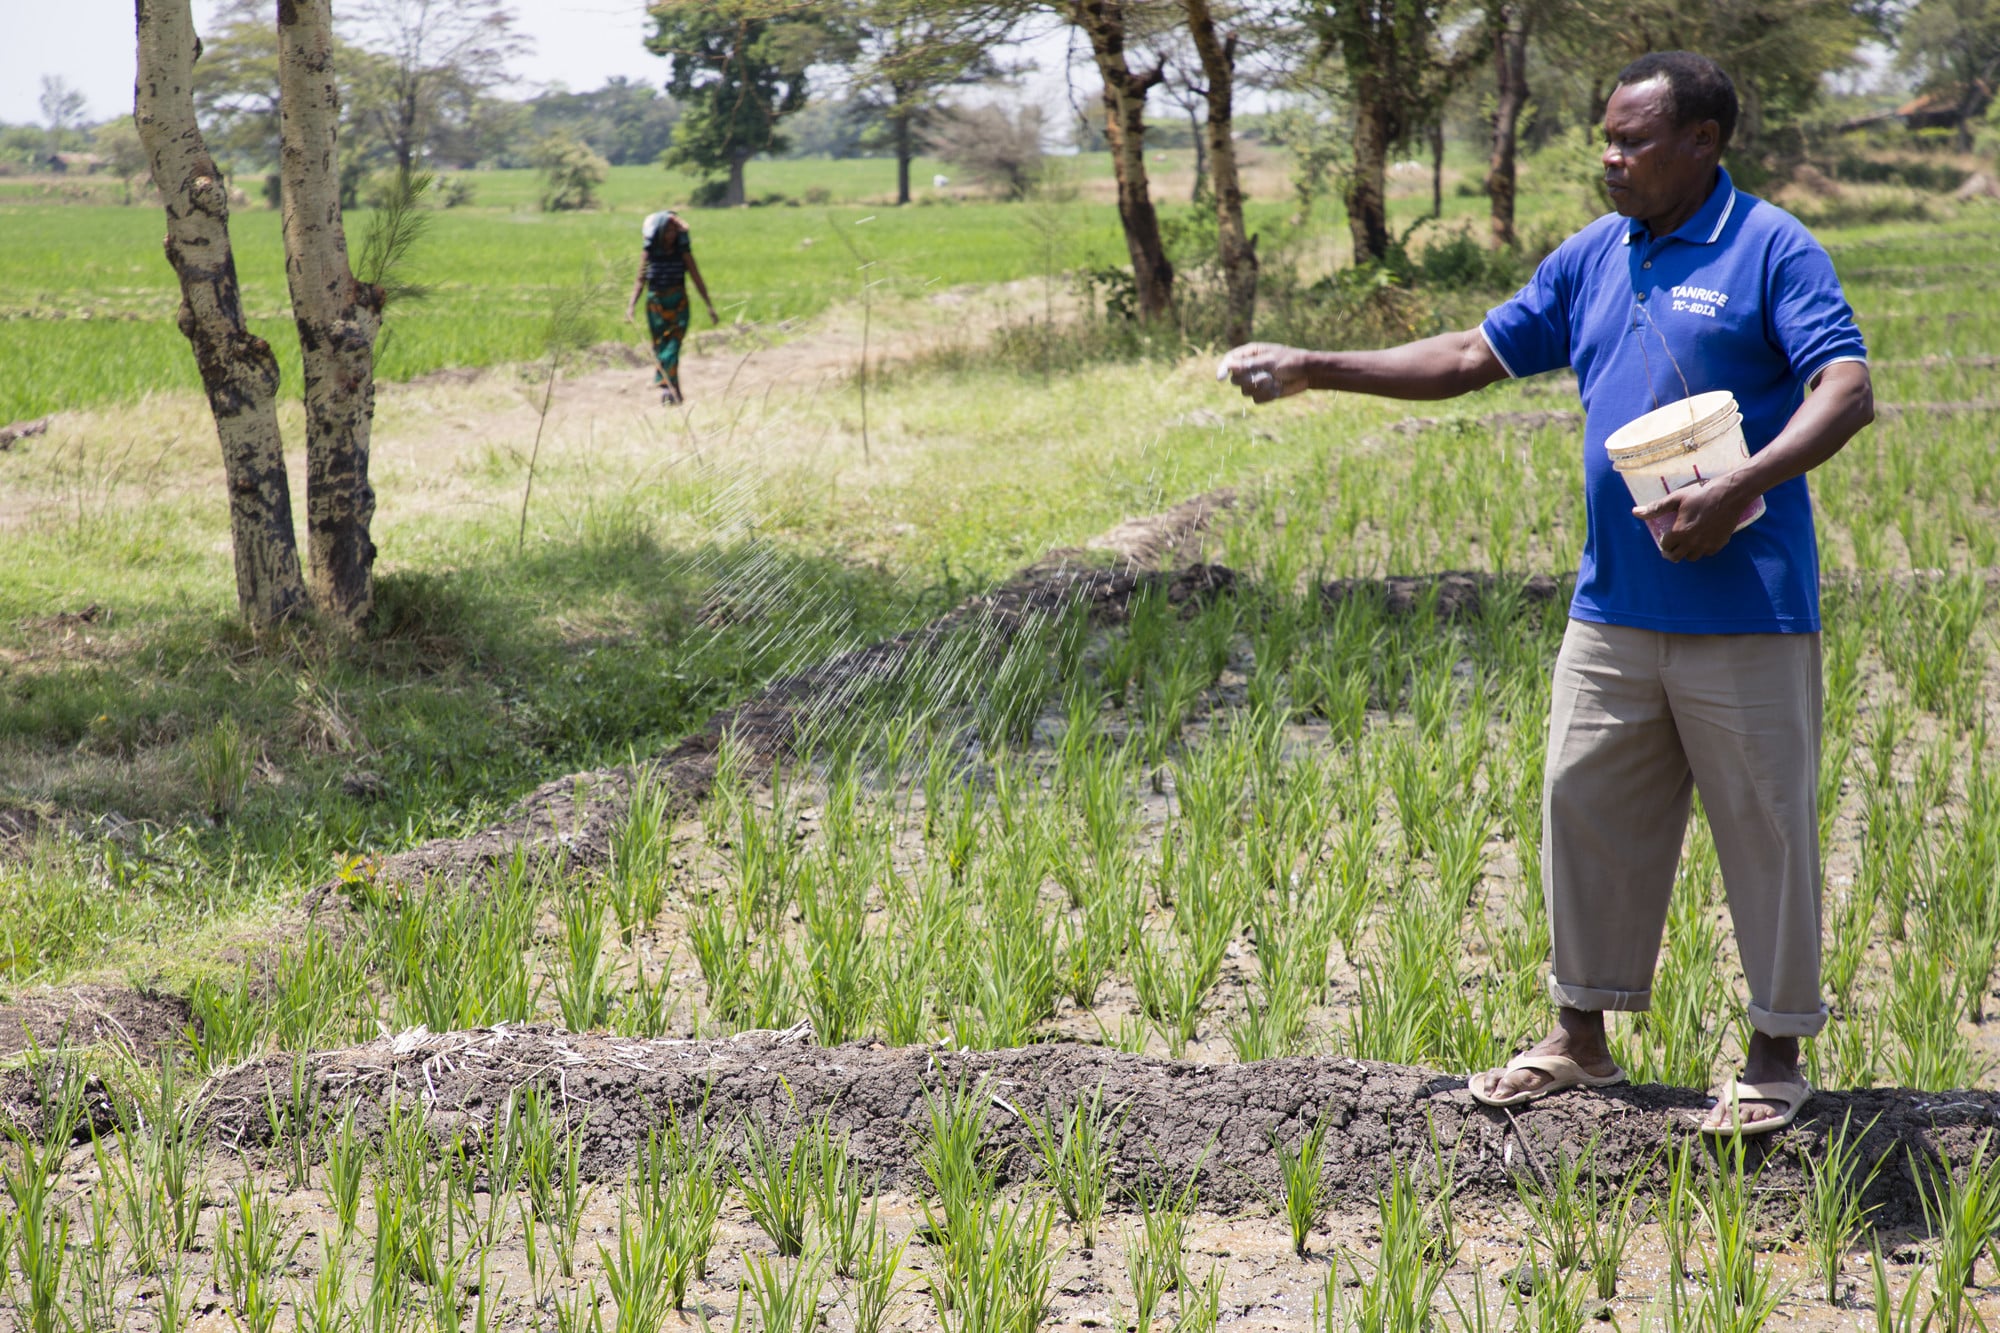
(1442, 367)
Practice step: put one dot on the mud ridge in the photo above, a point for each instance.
(1216, 1122)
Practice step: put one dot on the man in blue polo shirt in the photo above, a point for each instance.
(1690, 662)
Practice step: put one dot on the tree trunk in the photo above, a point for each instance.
(238, 371)
(1236, 250)
(1367, 219)
(1510, 64)
(1437, 170)
(734, 198)
(905, 150)
(337, 319)
(1200, 155)
(1103, 21)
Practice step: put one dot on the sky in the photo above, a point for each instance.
(89, 44)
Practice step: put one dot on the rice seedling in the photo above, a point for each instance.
(1077, 1152)
(319, 995)
(224, 760)
(875, 1285)
(998, 1277)
(459, 958)
(1272, 1028)
(1302, 1171)
(96, 1267)
(636, 1272)
(1619, 1214)
(40, 1233)
(955, 1160)
(289, 1121)
(1964, 1214)
(231, 1023)
(650, 1005)
(1834, 1212)
(837, 1196)
(1928, 646)
(250, 1253)
(325, 1308)
(1895, 1314)
(1851, 932)
(1148, 1275)
(583, 983)
(345, 1164)
(1563, 1210)
(641, 849)
(1011, 699)
(786, 1295)
(1399, 1292)
(1740, 1289)
(1927, 1049)
(839, 958)
(1201, 1303)
(720, 941)
(777, 1187)
(1173, 983)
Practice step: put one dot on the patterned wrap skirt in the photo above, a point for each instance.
(667, 316)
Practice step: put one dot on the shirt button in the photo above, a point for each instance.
(1638, 296)
(1647, 264)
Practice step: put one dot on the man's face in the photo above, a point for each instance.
(1653, 168)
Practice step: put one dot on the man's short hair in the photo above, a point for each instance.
(1697, 89)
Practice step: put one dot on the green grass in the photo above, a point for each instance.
(87, 300)
(90, 299)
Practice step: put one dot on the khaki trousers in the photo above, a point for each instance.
(1638, 721)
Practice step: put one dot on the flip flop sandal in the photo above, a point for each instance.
(1563, 1072)
(1788, 1096)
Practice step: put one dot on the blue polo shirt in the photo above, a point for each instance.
(1739, 297)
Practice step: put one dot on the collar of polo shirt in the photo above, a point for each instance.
(1705, 227)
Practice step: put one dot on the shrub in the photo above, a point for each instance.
(1000, 149)
(571, 172)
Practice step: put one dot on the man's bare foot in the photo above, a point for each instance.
(1578, 1035)
(1769, 1060)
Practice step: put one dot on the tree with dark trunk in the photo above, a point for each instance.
(906, 53)
(738, 68)
(1399, 73)
(438, 56)
(1236, 250)
(238, 371)
(1953, 46)
(1106, 23)
(1511, 22)
(337, 317)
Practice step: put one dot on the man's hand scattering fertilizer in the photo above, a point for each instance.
(1265, 372)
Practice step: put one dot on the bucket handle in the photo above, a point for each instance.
(1666, 347)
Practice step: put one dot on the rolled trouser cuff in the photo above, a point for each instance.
(1594, 999)
(1787, 1025)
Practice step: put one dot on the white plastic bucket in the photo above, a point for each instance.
(1682, 444)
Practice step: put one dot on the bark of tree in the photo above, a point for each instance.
(1510, 64)
(1364, 194)
(1103, 22)
(1236, 249)
(238, 371)
(337, 317)
(905, 150)
(734, 198)
(1437, 168)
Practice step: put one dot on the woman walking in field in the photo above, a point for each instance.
(665, 267)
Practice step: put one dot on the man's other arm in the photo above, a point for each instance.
(1442, 367)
